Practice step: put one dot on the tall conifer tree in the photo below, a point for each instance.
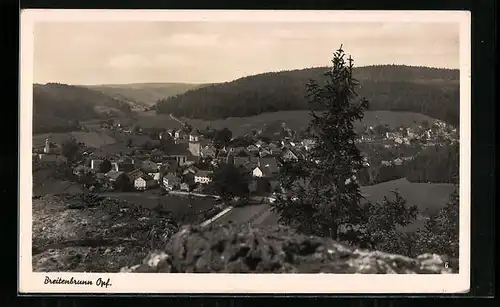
(322, 193)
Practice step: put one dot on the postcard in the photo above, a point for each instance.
(186, 151)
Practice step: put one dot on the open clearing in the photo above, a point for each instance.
(150, 119)
(428, 197)
(299, 120)
(178, 205)
(91, 139)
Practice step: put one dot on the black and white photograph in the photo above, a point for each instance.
(285, 151)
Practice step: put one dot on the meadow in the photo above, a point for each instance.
(428, 197)
(177, 205)
(91, 139)
(299, 120)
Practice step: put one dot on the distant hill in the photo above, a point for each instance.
(430, 91)
(144, 94)
(59, 107)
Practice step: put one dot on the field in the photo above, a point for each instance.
(178, 205)
(299, 120)
(45, 184)
(91, 139)
(150, 119)
(428, 197)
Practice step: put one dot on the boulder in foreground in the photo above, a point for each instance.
(233, 249)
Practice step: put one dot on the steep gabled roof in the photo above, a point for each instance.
(202, 173)
(177, 150)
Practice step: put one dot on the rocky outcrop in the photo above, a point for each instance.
(76, 234)
(233, 249)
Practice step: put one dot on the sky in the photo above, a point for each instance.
(207, 52)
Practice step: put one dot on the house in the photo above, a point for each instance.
(276, 151)
(250, 165)
(171, 182)
(386, 163)
(272, 145)
(260, 144)
(252, 149)
(222, 156)
(149, 166)
(202, 177)
(289, 155)
(50, 147)
(264, 152)
(185, 187)
(144, 182)
(398, 161)
(170, 168)
(194, 136)
(51, 159)
(180, 134)
(95, 164)
(180, 153)
(308, 144)
(191, 169)
(114, 166)
(156, 176)
(81, 169)
(267, 167)
(365, 159)
(136, 173)
(112, 175)
(208, 152)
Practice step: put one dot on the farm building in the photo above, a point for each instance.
(289, 154)
(51, 159)
(202, 176)
(144, 182)
(171, 182)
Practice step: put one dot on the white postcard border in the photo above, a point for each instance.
(31, 282)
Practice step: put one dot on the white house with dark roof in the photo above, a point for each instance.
(144, 182)
(266, 167)
(289, 155)
(202, 177)
(171, 182)
(194, 136)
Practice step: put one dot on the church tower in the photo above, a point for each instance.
(194, 143)
(46, 149)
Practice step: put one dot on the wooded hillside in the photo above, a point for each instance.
(430, 91)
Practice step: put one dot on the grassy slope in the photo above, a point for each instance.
(299, 120)
(91, 139)
(56, 105)
(144, 93)
(390, 87)
(429, 198)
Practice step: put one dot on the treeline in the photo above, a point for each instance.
(439, 164)
(430, 91)
(58, 107)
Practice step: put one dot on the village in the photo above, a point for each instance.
(182, 161)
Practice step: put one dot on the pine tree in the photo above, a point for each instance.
(322, 193)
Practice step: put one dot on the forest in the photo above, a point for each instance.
(430, 91)
(59, 107)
